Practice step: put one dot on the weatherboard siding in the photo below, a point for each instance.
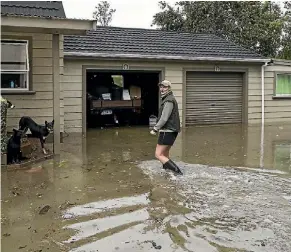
(39, 106)
(276, 110)
(72, 83)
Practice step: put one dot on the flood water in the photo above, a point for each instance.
(106, 192)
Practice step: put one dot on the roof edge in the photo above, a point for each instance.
(43, 24)
(44, 17)
(281, 62)
(164, 57)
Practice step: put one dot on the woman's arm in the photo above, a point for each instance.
(167, 110)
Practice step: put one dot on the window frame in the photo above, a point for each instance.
(24, 72)
(275, 95)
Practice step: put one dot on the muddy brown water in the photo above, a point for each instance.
(107, 193)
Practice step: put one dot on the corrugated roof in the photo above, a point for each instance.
(114, 40)
(43, 9)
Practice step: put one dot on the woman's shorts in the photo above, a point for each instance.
(167, 138)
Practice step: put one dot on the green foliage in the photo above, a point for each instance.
(285, 52)
(256, 25)
(103, 13)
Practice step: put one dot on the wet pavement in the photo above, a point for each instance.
(107, 193)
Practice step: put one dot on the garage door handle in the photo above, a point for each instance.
(212, 105)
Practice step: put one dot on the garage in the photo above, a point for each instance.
(213, 79)
(213, 98)
(121, 98)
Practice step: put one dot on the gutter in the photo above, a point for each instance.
(161, 57)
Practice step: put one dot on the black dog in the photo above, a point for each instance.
(38, 131)
(13, 147)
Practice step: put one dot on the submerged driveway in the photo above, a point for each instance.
(107, 193)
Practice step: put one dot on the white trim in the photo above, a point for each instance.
(14, 71)
(27, 58)
(46, 24)
(164, 57)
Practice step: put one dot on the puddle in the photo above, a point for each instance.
(101, 206)
(231, 208)
(106, 193)
(92, 227)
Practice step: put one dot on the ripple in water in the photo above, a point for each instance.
(240, 208)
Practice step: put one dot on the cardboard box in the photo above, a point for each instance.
(135, 92)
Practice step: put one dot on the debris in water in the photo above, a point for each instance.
(15, 193)
(154, 244)
(44, 209)
(22, 247)
(66, 205)
(6, 235)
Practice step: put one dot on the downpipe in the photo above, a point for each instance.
(263, 115)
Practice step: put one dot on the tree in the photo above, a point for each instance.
(103, 13)
(254, 25)
(285, 52)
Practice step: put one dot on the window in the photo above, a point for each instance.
(283, 84)
(14, 65)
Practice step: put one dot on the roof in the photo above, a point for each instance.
(42, 9)
(281, 62)
(141, 43)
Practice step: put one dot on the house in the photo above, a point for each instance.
(215, 81)
(32, 60)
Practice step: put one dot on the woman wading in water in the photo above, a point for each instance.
(168, 126)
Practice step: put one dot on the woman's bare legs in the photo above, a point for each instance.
(162, 153)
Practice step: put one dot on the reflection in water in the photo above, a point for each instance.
(282, 156)
(97, 207)
(262, 146)
(215, 207)
(209, 209)
(235, 145)
(233, 208)
(92, 227)
(132, 239)
(227, 145)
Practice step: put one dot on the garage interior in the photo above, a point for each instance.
(121, 98)
(214, 98)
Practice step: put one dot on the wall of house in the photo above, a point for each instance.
(72, 83)
(276, 110)
(39, 106)
(72, 86)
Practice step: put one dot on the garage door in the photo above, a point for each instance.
(213, 98)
